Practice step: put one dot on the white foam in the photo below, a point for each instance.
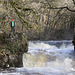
(10, 74)
(41, 46)
(58, 58)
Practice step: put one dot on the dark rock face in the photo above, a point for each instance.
(74, 42)
(12, 47)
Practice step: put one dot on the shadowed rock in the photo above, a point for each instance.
(74, 42)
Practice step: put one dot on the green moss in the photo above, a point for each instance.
(1, 50)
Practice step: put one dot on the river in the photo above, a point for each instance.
(46, 58)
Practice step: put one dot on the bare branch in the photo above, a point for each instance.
(60, 7)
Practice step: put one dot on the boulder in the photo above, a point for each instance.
(12, 47)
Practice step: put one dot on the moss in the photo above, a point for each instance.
(24, 37)
(1, 50)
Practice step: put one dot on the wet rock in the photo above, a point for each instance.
(3, 59)
(15, 60)
(74, 42)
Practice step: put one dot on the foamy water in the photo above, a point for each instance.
(46, 58)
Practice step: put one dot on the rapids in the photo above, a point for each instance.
(46, 58)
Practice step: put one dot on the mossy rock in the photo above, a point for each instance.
(10, 60)
(14, 45)
(15, 42)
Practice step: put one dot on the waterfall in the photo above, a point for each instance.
(46, 58)
(49, 55)
(34, 60)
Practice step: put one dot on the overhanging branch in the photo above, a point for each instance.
(50, 7)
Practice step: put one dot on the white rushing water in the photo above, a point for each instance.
(46, 58)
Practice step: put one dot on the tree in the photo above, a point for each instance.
(19, 9)
(63, 17)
